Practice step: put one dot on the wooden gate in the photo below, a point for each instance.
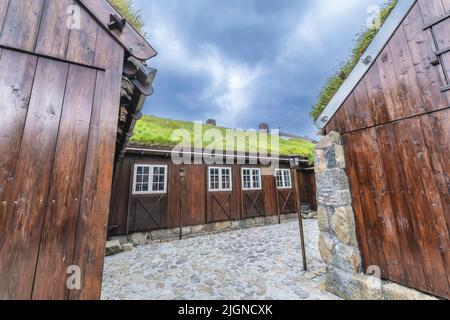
(253, 204)
(221, 207)
(147, 212)
(286, 201)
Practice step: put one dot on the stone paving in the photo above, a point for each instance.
(262, 263)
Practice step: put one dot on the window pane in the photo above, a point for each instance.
(139, 170)
(139, 178)
(279, 179)
(287, 179)
(226, 179)
(256, 179)
(146, 170)
(145, 187)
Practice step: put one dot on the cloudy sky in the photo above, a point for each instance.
(243, 62)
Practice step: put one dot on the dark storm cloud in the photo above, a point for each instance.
(243, 62)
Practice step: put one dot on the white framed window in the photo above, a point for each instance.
(251, 179)
(284, 180)
(149, 179)
(220, 179)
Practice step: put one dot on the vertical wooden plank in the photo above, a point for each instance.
(105, 52)
(428, 242)
(22, 24)
(369, 210)
(54, 33)
(407, 85)
(376, 99)
(422, 54)
(350, 114)
(356, 191)
(3, 8)
(362, 106)
(16, 79)
(96, 194)
(26, 205)
(381, 196)
(406, 223)
(60, 222)
(389, 83)
(82, 42)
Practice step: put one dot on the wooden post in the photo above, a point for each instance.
(277, 200)
(182, 176)
(300, 221)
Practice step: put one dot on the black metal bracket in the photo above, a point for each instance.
(116, 23)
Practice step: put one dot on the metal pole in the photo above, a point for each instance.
(300, 221)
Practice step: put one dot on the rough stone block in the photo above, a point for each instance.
(127, 247)
(333, 198)
(332, 180)
(322, 218)
(346, 258)
(334, 157)
(336, 138)
(324, 143)
(139, 239)
(222, 226)
(113, 247)
(352, 286)
(326, 248)
(393, 291)
(343, 225)
(320, 163)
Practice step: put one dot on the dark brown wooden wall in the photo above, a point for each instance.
(134, 213)
(396, 128)
(60, 95)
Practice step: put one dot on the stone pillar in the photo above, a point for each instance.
(338, 242)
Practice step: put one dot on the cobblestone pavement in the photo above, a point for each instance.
(262, 263)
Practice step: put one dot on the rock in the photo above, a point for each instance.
(195, 279)
(222, 226)
(302, 294)
(347, 258)
(343, 225)
(322, 218)
(320, 164)
(335, 138)
(139, 239)
(352, 286)
(334, 157)
(326, 248)
(127, 247)
(113, 247)
(324, 143)
(393, 291)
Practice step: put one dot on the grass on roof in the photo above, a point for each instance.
(335, 82)
(127, 10)
(157, 132)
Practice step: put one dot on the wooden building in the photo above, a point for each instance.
(393, 112)
(148, 193)
(66, 68)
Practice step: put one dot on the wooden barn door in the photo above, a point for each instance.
(307, 188)
(220, 203)
(253, 204)
(147, 211)
(286, 195)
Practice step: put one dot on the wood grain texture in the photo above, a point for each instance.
(82, 42)
(16, 80)
(129, 38)
(61, 217)
(26, 204)
(54, 33)
(21, 24)
(3, 8)
(96, 192)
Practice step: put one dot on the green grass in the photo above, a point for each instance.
(335, 82)
(157, 132)
(127, 10)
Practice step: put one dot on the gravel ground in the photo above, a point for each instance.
(262, 263)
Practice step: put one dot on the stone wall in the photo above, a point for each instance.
(338, 242)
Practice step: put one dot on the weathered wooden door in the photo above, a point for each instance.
(286, 201)
(253, 204)
(221, 207)
(147, 212)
